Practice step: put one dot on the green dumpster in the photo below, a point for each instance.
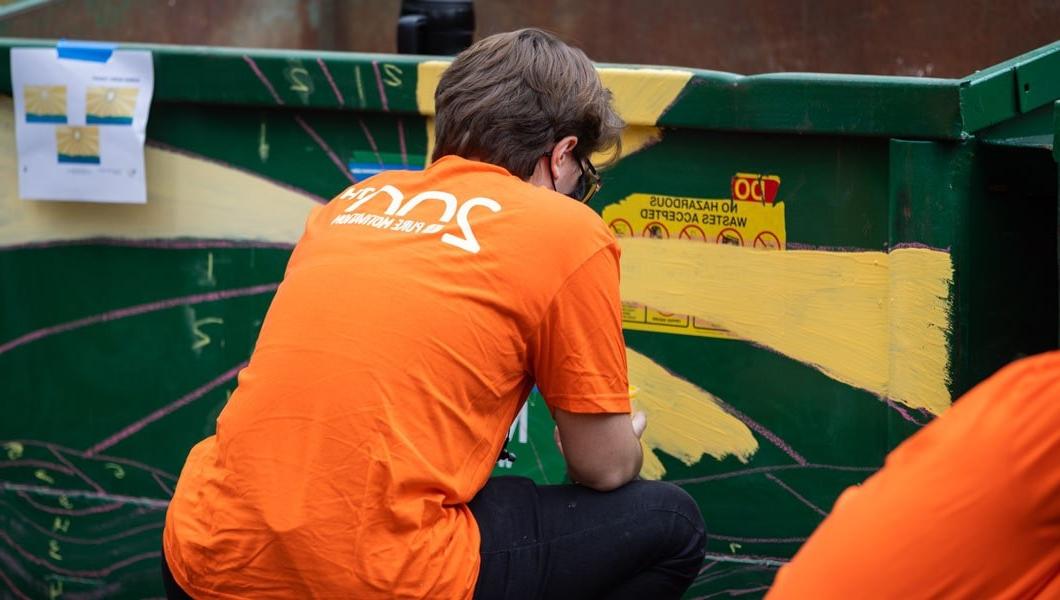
(814, 266)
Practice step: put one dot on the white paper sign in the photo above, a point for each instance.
(80, 125)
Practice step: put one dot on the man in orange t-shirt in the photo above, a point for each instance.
(417, 312)
(966, 509)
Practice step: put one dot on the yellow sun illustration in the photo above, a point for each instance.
(45, 102)
(77, 143)
(111, 104)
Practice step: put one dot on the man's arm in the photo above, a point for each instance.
(602, 450)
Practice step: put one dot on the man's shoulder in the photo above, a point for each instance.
(559, 217)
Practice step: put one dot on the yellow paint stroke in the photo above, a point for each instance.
(428, 74)
(640, 97)
(186, 198)
(872, 320)
(430, 141)
(683, 420)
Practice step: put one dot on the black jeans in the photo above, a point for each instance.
(643, 540)
(173, 590)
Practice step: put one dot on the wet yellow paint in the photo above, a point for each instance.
(918, 315)
(640, 97)
(683, 420)
(873, 320)
(186, 198)
(428, 74)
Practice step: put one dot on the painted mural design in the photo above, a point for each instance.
(775, 373)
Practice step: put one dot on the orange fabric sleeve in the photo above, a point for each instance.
(967, 508)
(578, 356)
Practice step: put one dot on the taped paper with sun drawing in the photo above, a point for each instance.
(80, 122)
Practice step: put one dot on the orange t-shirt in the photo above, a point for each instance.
(966, 509)
(416, 314)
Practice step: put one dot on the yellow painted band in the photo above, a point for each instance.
(873, 320)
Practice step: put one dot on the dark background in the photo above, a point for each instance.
(943, 38)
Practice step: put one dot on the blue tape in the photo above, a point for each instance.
(90, 51)
(362, 170)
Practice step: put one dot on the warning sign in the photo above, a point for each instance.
(752, 217)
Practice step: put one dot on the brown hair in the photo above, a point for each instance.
(509, 97)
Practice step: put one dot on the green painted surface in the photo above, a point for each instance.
(811, 103)
(995, 94)
(1038, 80)
(1033, 129)
(1056, 131)
(846, 184)
(790, 102)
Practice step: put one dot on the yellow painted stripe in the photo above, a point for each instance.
(640, 97)
(873, 320)
(428, 74)
(683, 420)
(186, 197)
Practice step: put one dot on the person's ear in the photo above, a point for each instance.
(562, 152)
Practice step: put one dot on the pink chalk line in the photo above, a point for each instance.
(264, 80)
(327, 149)
(905, 414)
(40, 464)
(138, 465)
(747, 559)
(11, 586)
(379, 84)
(754, 470)
(734, 592)
(96, 541)
(331, 82)
(401, 141)
(165, 410)
(707, 566)
(761, 429)
(756, 540)
(77, 471)
(700, 579)
(118, 499)
(70, 512)
(139, 309)
(104, 457)
(371, 140)
(797, 495)
(228, 165)
(165, 488)
(75, 573)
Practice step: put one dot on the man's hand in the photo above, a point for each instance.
(602, 451)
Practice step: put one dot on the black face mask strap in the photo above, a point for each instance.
(579, 188)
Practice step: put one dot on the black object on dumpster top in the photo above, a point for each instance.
(435, 26)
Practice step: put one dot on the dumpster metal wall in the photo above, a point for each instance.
(814, 267)
(947, 38)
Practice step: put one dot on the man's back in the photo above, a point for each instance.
(394, 356)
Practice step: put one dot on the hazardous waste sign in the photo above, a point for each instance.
(752, 217)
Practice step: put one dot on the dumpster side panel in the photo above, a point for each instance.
(801, 292)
